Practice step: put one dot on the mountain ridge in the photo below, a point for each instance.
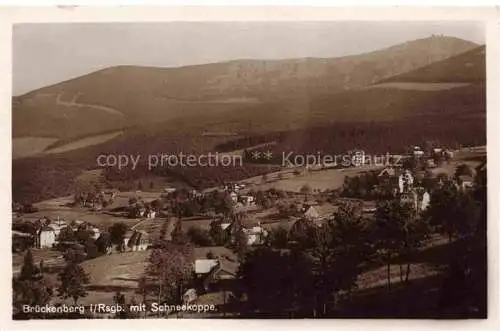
(146, 95)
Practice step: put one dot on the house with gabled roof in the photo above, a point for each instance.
(136, 240)
(465, 182)
(217, 271)
(311, 213)
(46, 236)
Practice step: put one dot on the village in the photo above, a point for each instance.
(114, 231)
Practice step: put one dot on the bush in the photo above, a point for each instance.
(199, 237)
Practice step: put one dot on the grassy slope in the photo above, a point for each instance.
(468, 67)
(151, 95)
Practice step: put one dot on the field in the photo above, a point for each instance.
(115, 272)
(322, 180)
(27, 146)
(84, 142)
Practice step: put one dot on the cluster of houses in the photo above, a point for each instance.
(403, 186)
(146, 212)
(48, 230)
(47, 236)
(240, 200)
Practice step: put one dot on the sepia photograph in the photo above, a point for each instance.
(249, 170)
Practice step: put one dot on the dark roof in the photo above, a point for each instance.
(137, 237)
(466, 178)
(217, 251)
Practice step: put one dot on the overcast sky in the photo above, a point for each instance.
(44, 54)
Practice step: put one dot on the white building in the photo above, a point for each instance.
(255, 235)
(204, 266)
(426, 200)
(311, 213)
(169, 189)
(47, 235)
(46, 238)
(465, 182)
(418, 202)
(95, 233)
(405, 181)
(233, 196)
(248, 200)
(417, 152)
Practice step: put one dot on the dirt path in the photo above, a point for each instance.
(73, 103)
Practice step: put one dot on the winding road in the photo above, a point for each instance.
(73, 103)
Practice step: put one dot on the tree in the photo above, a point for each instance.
(464, 290)
(223, 204)
(82, 235)
(199, 237)
(91, 248)
(103, 243)
(341, 247)
(398, 231)
(157, 204)
(169, 268)
(438, 159)
(73, 279)
(218, 235)
(240, 243)
(134, 210)
(276, 281)
(117, 234)
(303, 234)
(133, 200)
(239, 240)
(28, 270)
(305, 189)
(67, 234)
(463, 170)
(453, 212)
(178, 236)
(30, 288)
(119, 299)
(74, 255)
(277, 238)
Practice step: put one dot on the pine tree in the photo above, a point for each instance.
(28, 269)
(29, 289)
(73, 280)
(169, 267)
(178, 236)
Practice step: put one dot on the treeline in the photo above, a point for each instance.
(374, 138)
